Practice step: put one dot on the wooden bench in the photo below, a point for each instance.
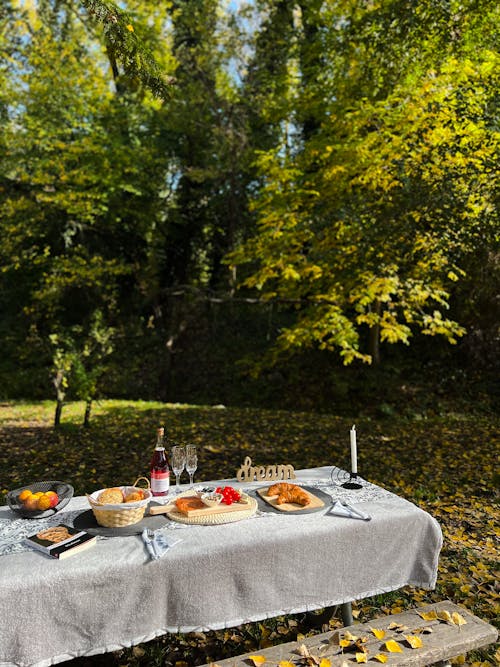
(441, 640)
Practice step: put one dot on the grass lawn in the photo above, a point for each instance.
(446, 465)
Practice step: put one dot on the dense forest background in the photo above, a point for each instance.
(275, 203)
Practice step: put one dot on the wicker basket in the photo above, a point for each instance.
(124, 514)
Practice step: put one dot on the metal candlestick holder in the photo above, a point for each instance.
(345, 479)
(352, 483)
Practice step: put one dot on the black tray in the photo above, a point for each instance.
(266, 507)
(87, 521)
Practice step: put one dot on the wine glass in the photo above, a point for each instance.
(178, 463)
(191, 462)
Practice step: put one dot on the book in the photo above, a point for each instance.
(61, 541)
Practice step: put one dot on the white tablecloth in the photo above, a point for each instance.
(218, 576)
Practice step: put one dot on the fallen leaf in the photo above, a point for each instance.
(458, 619)
(257, 659)
(381, 657)
(414, 641)
(286, 663)
(325, 663)
(344, 643)
(361, 657)
(349, 636)
(444, 615)
(304, 652)
(360, 647)
(393, 647)
(379, 634)
(428, 615)
(397, 626)
(335, 639)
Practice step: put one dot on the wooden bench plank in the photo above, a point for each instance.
(444, 642)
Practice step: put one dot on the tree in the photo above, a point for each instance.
(80, 183)
(364, 222)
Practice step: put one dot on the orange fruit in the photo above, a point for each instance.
(31, 503)
(24, 495)
(44, 502)
(38, 494)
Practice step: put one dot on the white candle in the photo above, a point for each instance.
(354, 454)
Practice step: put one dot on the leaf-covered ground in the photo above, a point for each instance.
(446, 465)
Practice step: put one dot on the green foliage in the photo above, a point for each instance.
(340, 156)
(368, 221)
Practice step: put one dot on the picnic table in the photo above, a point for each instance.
(217, 576)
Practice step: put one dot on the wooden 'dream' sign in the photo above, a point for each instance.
(250, 473)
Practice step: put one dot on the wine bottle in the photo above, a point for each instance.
(159, 466)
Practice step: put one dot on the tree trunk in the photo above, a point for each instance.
(88, 408)
(57, 416)
(374, 338)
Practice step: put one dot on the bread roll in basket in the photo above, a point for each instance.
(118, 514)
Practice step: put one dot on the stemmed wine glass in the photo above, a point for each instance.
(191, 462)
(178, 463)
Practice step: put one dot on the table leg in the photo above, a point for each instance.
(346, 613)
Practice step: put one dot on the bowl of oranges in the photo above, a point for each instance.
(40, 499)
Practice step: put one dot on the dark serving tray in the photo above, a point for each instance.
(87, 521)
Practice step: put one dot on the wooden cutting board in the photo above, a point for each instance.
(205, 511)
(290, 507)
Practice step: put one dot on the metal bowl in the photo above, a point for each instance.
(64, 491)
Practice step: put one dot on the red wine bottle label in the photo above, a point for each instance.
(160, 481)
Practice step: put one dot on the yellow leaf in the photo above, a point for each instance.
(428, 615)
(397, 626)
(393, 647)
(458, 619)
(360, 647)
(414, 641)
(325, 663)
(257, 659)
(361, 657)
(344, 643)
(349, 636)
(286, 663)
(381, 657)
(444, 615)
(379, 634)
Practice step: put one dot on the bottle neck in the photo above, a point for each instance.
(160, 436)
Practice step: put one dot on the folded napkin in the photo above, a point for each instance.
(343, 509)
(158, 543)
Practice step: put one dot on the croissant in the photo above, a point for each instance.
(289, 493)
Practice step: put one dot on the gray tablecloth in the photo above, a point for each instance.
(217, 576)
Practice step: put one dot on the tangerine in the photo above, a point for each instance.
(44, 502)
(31, 503)
(24, 495)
